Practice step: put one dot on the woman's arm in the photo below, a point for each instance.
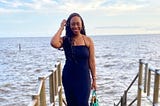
(57, 40)
(92, 63)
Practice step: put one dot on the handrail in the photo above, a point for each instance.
(124, 97)
(147, 86)
(55, 88)
(144, 74)
(132, 83)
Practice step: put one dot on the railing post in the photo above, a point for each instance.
(60, 97)
(36, 97)
(51, 87)
(156, 88)
(56, 82)
(54, 88)
(42, 93)
(145, 77)
(60, 84)
(140, 83)
(124, 99)
(59, 74)
(149, 82)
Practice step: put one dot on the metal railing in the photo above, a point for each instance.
(55, 88)
(144, 86)
(123, 100)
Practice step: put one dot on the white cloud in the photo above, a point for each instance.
(3, 10)
(110, 6)
(111, 16)
(21, 6)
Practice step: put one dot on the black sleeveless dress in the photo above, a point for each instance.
(76, 75)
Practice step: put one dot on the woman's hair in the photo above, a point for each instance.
(69, 32)
(67, 43)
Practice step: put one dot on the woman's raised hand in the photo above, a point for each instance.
(63, 23)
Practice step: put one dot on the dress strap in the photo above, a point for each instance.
(84, 41)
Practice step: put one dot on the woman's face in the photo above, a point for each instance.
(76, 25)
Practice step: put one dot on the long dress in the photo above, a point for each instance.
(76, 76)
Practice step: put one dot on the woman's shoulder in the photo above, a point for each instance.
(86, 37)
(88, 40)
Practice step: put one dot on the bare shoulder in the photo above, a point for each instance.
(88, 40)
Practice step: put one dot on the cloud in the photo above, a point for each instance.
(83, 5)
(155, 28)
(125, 27)
(26, 6)
(118, 27)
(112, 7)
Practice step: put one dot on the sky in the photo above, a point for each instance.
(42, 18)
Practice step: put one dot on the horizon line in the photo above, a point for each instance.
(90, 35)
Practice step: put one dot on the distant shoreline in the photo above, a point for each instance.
(87, 34)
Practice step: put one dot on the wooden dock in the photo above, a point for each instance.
(147, 88)
(55, 89)
(147, 94)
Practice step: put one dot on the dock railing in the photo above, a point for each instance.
(55, 88)
(145, 84)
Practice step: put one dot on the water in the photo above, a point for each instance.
(116, 63)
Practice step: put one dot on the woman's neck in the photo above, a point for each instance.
(77, 36)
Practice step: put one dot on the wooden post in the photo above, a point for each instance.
(51, 89)
(19, 46)
(56, 82)
(125, 98)
(149, 83)
(156, 88)
(60, 97)
(42, 93)
(145, 77)
(122, 101)
(54, 87)
(36, 97)
(140, 83)
(60, 84)
(59, 74)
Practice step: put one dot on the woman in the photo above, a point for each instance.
(80, 60)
